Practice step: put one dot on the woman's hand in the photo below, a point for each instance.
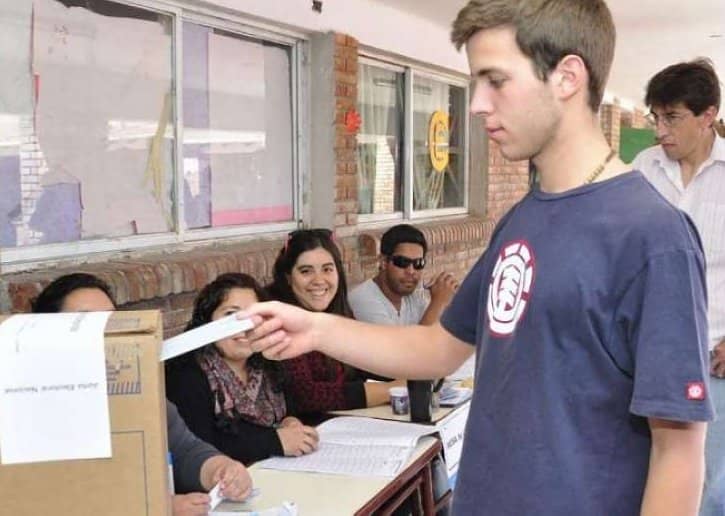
(290, 421)
(234, 480)
(192, 504)
(297, 439)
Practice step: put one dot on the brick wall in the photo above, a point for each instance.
(32, 169)
(610, 118)
(346, 204)
(508, 182)
(170, 283)
(634, 119)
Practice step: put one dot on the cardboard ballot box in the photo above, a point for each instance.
(134, 482)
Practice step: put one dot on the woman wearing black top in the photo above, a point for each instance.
(229, 396)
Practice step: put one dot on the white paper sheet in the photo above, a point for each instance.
(53, 402)
(216, 497)
(452, 396)
(357, 446)
(229, 509)
(203, 335)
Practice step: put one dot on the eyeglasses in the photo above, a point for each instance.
(403, 262)
(668, 119)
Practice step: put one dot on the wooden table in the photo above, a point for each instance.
(317, 494)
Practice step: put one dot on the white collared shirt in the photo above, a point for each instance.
(704, 201)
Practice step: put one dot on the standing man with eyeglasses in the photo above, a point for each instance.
(394, 296)
(687, 167)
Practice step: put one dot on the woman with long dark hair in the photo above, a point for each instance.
(228, 395)
(198, 466)
(309, 273)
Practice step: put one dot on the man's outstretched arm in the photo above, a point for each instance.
(284, 331)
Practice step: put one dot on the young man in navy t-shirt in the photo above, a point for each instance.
(587, 311)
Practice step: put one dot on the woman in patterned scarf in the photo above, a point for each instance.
(229, 396)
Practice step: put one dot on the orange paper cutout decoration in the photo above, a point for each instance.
(353, 120)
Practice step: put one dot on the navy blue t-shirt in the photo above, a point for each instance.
(588, 312)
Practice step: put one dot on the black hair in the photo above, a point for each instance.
(693, 83)
(213, 295)
(401, 234)
(51, 298)
(297, 243)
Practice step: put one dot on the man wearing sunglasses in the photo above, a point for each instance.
(394, 296)
(688, 168)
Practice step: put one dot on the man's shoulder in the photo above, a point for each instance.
(364, 291)
(362, 287)
(648, 158)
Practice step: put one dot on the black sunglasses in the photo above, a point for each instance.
(403, 262)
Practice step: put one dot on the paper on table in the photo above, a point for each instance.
(198, 337)
(53, 402)
(367, 430)
(366, 460)
(286, 509)
(215, 496)
(451, 396)
(357, 446)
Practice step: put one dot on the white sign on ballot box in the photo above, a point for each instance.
(53, 402)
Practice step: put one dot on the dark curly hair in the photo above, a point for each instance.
(298, 242)
(213, 295)
(52, 297)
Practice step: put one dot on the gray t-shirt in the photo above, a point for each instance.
(369, 304)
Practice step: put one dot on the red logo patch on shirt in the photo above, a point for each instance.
(696, 391)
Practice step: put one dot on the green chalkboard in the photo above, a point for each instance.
(631, 141)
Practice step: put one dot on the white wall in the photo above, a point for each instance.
(371, 23)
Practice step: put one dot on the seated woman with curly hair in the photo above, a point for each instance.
(228, 395)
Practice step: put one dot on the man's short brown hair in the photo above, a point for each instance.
(547, 31)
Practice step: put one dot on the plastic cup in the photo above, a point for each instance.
(399, 400)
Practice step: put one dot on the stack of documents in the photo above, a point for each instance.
(358, 446)
(451, 396)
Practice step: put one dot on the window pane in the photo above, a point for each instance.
(238, 166)
(86, 124)
(379, 141)
(438, 144)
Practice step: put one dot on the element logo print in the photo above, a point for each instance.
(510, 288)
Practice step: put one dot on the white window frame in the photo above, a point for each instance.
(411, 70)
(13, 259)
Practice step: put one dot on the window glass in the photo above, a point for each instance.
(380, 139)
(439, 112)
(238, 148)
(86, 123)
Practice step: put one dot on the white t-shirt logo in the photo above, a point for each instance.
(696, 391)
(509, 291)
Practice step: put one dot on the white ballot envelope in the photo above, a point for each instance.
(203, 335)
